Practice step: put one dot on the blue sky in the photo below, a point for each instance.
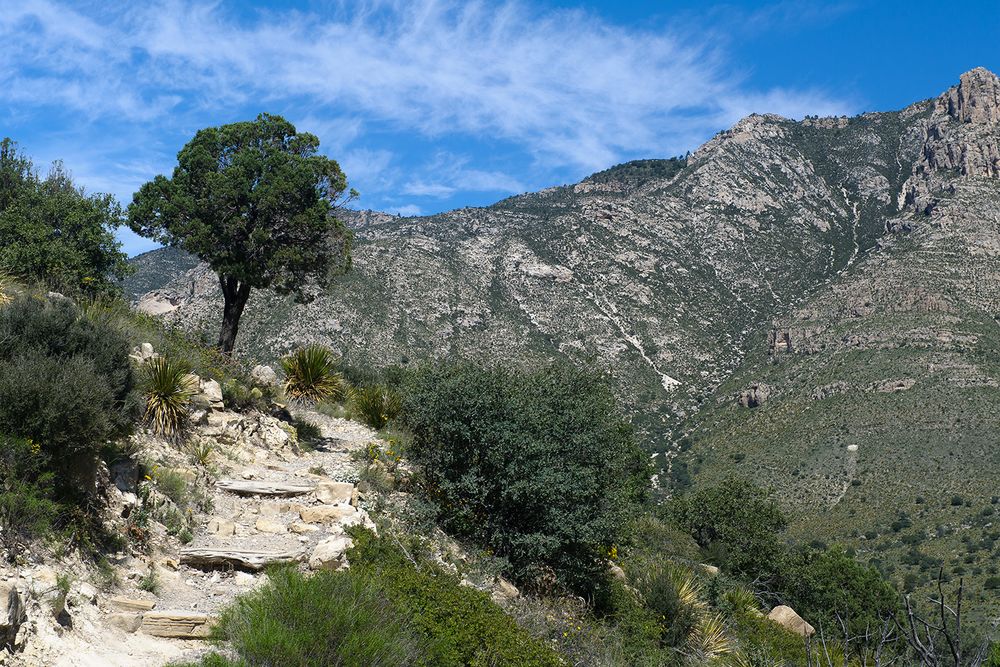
(435, 104)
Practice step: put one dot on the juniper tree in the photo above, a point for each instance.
(256, 201)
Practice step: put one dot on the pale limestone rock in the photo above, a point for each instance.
(301, 528)
(132, 604)
(220, 527)
(128, 622)
(334, 493)
(265, 525)
(264, 376)
(12, 612)
(331, 553)
(786, 617)
(342, 514)
(177, 624)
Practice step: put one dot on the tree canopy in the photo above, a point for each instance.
(539, 466)
(53, 232)
(254, 200)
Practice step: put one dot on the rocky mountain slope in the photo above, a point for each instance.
(810, 303)
(657, 270)
(883, 387)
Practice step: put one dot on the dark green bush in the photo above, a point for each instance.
(539, 466)
(65, 384)
(737, 524)
(463, 626)
(825, 585)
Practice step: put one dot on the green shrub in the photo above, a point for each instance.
(375, 405)
(311, 375)
(825, 585)
(737, 524)
(462, 626)
(65, 383)
(539, 467)
(27, 510)
(168, 388)
(330, 618)
(241, 398)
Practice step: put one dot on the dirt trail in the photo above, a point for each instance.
(108, 634)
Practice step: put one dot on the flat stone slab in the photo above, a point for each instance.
(132, 604)
(251, 487)
(244, 560)
(177, 624)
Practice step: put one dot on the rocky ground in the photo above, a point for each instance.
(269, 502)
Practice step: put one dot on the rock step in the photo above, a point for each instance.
(262, 488)
(177, 624)
(132, 604)
(240, 559)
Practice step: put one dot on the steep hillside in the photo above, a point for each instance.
(657, 270)
(880, 393)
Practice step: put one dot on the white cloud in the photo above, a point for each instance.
(564, 85)
(452, 174)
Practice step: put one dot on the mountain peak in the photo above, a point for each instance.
(976, 98)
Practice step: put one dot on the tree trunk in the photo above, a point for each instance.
(235, 294)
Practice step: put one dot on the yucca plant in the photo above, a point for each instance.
(311, 375)
(168, 388)
(376, 405)
(712, 639)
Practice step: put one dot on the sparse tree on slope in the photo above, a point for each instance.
(255, 200)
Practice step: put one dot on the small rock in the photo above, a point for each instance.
(124, 621)
(221, 527)
(755, 395)
(852, 448)
(335, 493)
(264, 376)
(132, 604)
(505, 590)
(331, 553)
(12, 613)
(343, 514)
(301, 528)
(270, 526)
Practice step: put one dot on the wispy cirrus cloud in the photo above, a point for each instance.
(565, 91)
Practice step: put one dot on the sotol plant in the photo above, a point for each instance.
(168, 390)
(311, 375)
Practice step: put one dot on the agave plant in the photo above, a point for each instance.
(311, 375)
(168, 389)
(376, 405)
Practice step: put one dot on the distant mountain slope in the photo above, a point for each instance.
(882, 389)
(841, 274)
(657, 270)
